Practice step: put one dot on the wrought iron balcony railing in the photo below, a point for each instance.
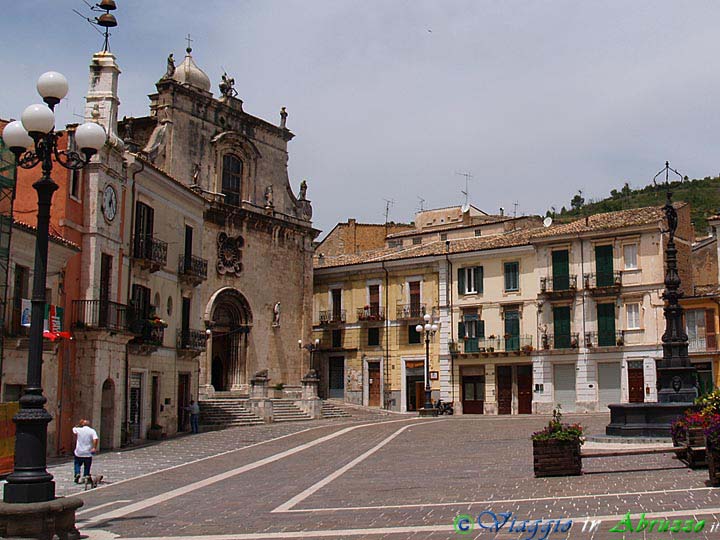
(150, 251)
(100, 315)
(603, 280)
(191, 340)
(371, 313)
(570, 340)
(332, 316)
(558, 283)
(192, 268)
(495, 344)
(410, 311)
(605, 339)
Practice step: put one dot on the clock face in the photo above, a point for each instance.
(109, 203)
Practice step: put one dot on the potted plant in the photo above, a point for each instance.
(574, 343)
(545, 341)
(556, 448)
(491, 344)
(155, 432)
(527, 349)
(688, 432)
(712, 438)
(620, 341)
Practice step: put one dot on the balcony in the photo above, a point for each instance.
(494, 345)
(100, 315)
(150, 334)
(413, 311)
(558, 287)
(150, 252)
(605, 339)
(191, 341)
(328, 317)
(600, 284)
(702, 344)
(192, 269)
(560, 341)
(371, 313)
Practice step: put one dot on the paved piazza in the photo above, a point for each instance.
(378, 477)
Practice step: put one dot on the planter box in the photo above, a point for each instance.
(713, 459)
(556, 458)
(694, 457)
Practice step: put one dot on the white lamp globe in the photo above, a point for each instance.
(426, 317)
(37, 118)
(90, 136)
(317, 342)
(434, 327)
(208, 332)
(15, 136)
(52, 85)
(427, 327)
(419, 328)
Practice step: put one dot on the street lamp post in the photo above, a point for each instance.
(429, 329)
(34, 141)
(311, 348)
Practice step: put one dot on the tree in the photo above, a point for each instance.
(577, 201)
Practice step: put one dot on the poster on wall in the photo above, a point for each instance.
(53, 323)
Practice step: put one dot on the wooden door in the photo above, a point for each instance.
(374, 384)
(512, 330)
(604, 266)
(185, 323)
(524, 382)
(336, 378)
(636, 385)
(561, 270)
(183, 400)
(105, 273)
(504, 389)
(415, 307)
(473, 394)
(419, 395)
(187, 255)
(710, 332)
(606, 325)
(336, 305)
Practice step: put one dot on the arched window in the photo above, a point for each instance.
(232, 179)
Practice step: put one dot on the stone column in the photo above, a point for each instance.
(234, 365)
(259, 403)
(310, 402)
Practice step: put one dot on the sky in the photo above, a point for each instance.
(392, 100)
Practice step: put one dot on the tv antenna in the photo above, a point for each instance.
(468, 176)
(107, 20)
(422, 203)
(515, 205)
(388, 204)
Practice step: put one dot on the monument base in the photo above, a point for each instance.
(644, 419)
(40, 520)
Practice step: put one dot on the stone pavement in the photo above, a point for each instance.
(396, 478)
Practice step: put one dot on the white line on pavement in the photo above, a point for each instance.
(342, 470)
(497, 501)
(99, 506)
(152, 501)
(408, 529)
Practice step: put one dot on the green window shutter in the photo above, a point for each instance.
(461, 330)
(512, 278)
(478, 274)
(606, 325)
(461, 281)
(561, 327)
(561, 270)
(481, 329)
(604, 266)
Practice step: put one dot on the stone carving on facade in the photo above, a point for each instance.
(229, 251)
(303, 191)
(227, 86)
(354, 380)
(283, 118)
(269, 197)
(276, 314)
(303, 204)
(170, 67)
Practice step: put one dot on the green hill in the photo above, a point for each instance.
(703, 196)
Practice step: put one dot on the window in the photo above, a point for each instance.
(633, 316)
(443, 236)
(413, 336)
(512, 276)
(478, 232)
(417, 241)
(373, 336)
(75, 177)
(394, 243)
(20, 291)
(232, 179)
(630, 256)
(144, 222)
(141, 301)
(336, 339)
(470, 280)
(695, 322)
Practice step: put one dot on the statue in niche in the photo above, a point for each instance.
(276, 314)
(170, 67)
(269, 197)
(227, 86)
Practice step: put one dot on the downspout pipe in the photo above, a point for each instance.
(126, 411)
(449, 304)
(386, 380)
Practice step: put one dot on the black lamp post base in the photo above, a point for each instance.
(432, 411)
(40, 520)
(29, 493)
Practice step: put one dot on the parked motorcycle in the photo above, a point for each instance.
(443, 407)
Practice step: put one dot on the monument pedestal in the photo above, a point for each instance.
(644, 419)
(40, 520)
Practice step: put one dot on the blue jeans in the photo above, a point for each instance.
(86, 462)
(194, 419)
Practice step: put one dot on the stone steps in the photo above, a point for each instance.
(333, 410)
(287, 411)
(225, 412)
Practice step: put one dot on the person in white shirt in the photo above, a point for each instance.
(86, 445)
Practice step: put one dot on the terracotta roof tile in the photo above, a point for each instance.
(54, 237)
